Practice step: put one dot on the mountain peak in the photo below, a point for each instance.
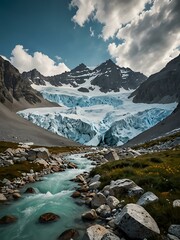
(80, 67)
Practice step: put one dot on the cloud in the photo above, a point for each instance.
(148, 37)
(23, 61)
(91, 32)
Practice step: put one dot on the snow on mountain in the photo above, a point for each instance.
(94, 118)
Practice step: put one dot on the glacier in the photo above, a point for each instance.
(95, 118)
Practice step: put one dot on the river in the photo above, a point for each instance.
(53, 195)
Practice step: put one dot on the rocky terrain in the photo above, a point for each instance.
(118, 210)
(161, 87)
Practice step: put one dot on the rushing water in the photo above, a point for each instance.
(53, 196)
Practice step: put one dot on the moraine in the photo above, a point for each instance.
(54, 195)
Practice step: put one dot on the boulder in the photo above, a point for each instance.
(136, 222)
(94, 185)
(16, 195)
(174, 230)
(2, 197)
(8, 219)
(110, 236)
(147, 198)
(30, 190)
(98, 200)
(96, 232)
(172, 237)
(176, 203)
(96, 178)
(42, 153)
(120, 186)
(76, 194)
(31, 155)
(41, 161)
(31, 178)
(48, 218)
(71, 165)
(69, 234)
(135, 191)
(112, 202)
(111, 156)
(104, 211)
(89, 215)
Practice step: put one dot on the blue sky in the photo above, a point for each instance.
(52, 37)
(46, 26)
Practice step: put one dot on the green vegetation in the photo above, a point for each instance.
(17, 169)
(158, 172)
(158, 141)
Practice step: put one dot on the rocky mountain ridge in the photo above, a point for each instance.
(161, 87)
(107, 76)
(14, 87)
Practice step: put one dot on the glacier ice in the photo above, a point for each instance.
(110, 119)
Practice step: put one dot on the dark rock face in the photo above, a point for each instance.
(12, 86)
(69, 234)
(35, 76)
(108, 76)
(48, 218)
(111, 77)
(8, 219)
(161, 87)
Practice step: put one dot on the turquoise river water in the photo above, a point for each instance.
(54, 195)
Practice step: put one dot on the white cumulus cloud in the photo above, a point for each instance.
(147, 38)
(23, 61)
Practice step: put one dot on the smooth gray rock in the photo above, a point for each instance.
(136, 222)
(2, 197)
(94, 185)
(176, 203)
(98, 200)
(120, 186)
(112, 202)
(95, 178)
(90, 215)
(174, 229)
(104, 211)
(147, 198)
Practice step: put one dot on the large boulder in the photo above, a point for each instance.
(38, 153)
(96, 232)
(94, 185)
(42, 162)
(98, 200)
(121, 186)
(89, 215)
(112, 202)
(69, 234)
(176, 203)
(8, 219)
(48, 218)
(104, 211)
(96, 178)
(147, 198)
(30, 190)
(174, 230)
(111, 156)
(136, 222)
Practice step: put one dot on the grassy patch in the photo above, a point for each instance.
(15, 170)
(157, 172)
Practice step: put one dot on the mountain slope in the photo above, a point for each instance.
(17, 94)
(161, 87)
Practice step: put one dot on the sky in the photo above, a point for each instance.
(54, 36)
